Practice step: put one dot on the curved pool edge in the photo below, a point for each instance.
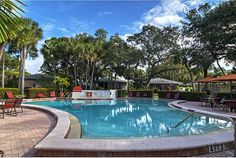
(55, 144)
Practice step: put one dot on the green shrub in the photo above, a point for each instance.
(32, 92)
(122, 93)
(190, 96)
(3, 92)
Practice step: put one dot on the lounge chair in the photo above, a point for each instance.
(8, 106)
(18, 102)
(52, 94)
(10, 95)
(40, 95)
(168, 96)
(176, 96)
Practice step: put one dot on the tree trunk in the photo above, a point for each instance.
(115, 81)
(22, 72)
(205, 72)
(190, 74)
(93, 69)
(217, 61)
(3, 71)
(86, 76)
(54, 74)
(75, 72)
(1, 49)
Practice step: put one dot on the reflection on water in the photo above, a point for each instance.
(135, 118)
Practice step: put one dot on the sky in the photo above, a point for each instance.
(60, 18)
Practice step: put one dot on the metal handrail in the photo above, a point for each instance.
(182, 121)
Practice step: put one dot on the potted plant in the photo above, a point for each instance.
(63, 82)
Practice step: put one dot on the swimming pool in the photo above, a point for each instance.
(135, 118)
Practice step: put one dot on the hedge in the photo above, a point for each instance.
(141, 93)
(122, 93)
(32, 92)
(190, 96)
(3, 92)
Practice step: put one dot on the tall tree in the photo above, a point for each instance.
(9, 13)
(25, 43)
(156, 44)
(213, 31)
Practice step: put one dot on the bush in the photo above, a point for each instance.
(190, 96)
(141, 93)
(32, 92)
(3, 92)
(122, 93)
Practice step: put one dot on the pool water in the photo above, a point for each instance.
(132, 118)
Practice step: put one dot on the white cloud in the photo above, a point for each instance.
(33, 66)
(125, 36)
(168, 12)
(104, 13)
(76, 24)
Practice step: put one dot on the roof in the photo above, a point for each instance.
(163, 81)
(207, 79)
(106, 79)
(39, 77)
(228, 77)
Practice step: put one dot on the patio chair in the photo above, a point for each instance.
(18, 104)
(168, 96)
(176, 96)
(40, 95)
(52, 94)
(10, 95)
(216, 103)
(7, 107)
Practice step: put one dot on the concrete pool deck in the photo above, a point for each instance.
(19, 134)
(55, 144)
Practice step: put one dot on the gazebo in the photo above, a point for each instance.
(227, 78)
(205, 81)
(163, 83)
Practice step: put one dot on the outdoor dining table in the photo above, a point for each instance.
(230, 103)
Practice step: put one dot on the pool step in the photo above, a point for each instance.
(75, 128)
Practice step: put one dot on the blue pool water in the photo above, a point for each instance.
(130, 118)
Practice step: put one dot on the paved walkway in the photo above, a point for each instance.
(19, 134)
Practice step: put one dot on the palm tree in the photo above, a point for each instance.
(25, 43)
(9, 13)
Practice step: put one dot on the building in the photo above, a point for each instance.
(163, 84)
(38, 81)
(105, 83)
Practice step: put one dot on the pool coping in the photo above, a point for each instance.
(55, 144)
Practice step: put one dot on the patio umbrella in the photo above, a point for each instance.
(225, 78)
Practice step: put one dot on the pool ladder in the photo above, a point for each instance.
(182, 121)
(179, 123)
(68, 95)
